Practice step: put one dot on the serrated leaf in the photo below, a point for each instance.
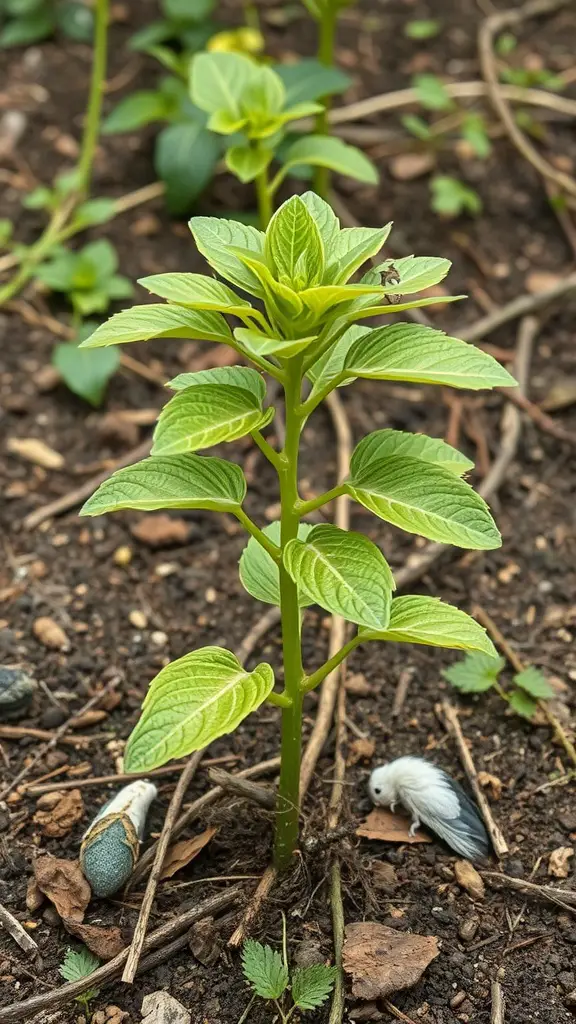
(310, 80)
(416, 273)
(218, 79)
(422, 498)
(214, 238)
(353, 246)
(381, 444)
(259, 572)
(429, 621)
(534, 682)
(246, 162)
(140, 323)
(171, 482)
(192, 702)
(343, 572)
(324, 217)
(475, 674)
(205, 415)
(522, 704)
(265, 970)
(326, 151)
(238, 376)
(195, 291)
(78, 964)
(294, 246)
(312, 985)
(423, 355)
(259, 344)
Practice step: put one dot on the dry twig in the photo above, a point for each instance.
(18, 933)
(402, 690)
(259, 897)
(243, 788)
(104, 780)
(565, 898)
(498, 1006)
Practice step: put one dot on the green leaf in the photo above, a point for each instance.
(428, 621)
(534, 682)
(422, 28)
(330, 367)
(78, 964)
(416, 273)
(261, 96)
(86, 373)
(140, 323)
(280, 298)
(312, 985)
(94, 211)
(431, 92)
(476, 135)
(265, 970)
(192, 702)
(294, 246)
(76, 21)
(185, 159)
(353, 246)
(258, 344)
(26, 30)
(343, 572)
(195, 291)
(136, 110)
(310, 80)
(417, 126)
(361, 311)
(522, 704)
(321, 299)
(422, 498)
(238, 376)
(476, 673)
(38, 199)
(326, 151)
(246, 162)
(259, 572)
(324, 217)
(225, 123)
(381, 444)
(215, 238)
(217, 81)
(451, 197)
(205, 415)
(102, 257)
(423, 355)
(59, 269)
(171, 482)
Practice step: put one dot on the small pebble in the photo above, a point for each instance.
(138, 619)
(16, 691)
(468, 928)
(159, 638)
(123, 556)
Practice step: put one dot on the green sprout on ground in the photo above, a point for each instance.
(478, 673)
(304, 327)
(78, 964)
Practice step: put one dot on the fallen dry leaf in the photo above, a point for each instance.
(160, 1008)
(64, 884)
(50, 634)
(469, 879)
(407, 166)
(161, 531)
(382, 960)
(60, 819)
(361, 749)
(204, 941)
(180, 854)
(35, 451)
(34, 896)
(383, 875)
(390, 828)
(561, 395)
(558, 861)
(491, 782)
(103, 942)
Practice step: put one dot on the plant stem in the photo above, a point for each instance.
(305, 507)
(258, 534)
(264, 198)
(326, 57)
(311, 682)
(288, 793)
(92, 123)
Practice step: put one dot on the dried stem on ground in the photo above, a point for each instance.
(399, 1014)
(498, 1006)
(259, 896)
(18, 933)
(453, 726)
(243, 788)
(105, 780)
(565, 898)
(402, 691)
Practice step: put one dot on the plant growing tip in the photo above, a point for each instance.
(303, 325)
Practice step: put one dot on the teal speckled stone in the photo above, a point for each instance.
(108, 855)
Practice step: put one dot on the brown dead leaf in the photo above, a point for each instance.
(491, 782)
(60, 819)
(50, 634)
(407, 166)
(469, 879)
(358, 685)
(561, 395)
(390, 828)
(383, 875)
(382, 960)
(104, 942)
(161, 531)
(204, 942)
(180, 854)
(64, 884)
(35, 451)
(558, 861)
(34, 896)
(361, 749)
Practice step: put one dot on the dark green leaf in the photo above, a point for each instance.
(265, 970)
(136, 110)
(312, 985)
(534, 682)
(26, 30)
(76, 21)
(310, 80)
(185, 159)
(522, 704)
(86, 373)
(476, 673)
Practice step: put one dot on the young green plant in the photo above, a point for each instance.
(477, 673)
(304, 326)
(78, 964)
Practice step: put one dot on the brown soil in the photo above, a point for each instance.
(191, 593)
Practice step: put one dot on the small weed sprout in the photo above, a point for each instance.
(305, 325)
(78, 964)
(477, 673)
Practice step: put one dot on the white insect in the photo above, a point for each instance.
(433, 799)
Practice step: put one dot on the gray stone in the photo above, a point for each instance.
(16, 691)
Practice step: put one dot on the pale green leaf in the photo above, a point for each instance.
(238, 376)
(224, 123)
(218, 79)
(416, 273)
(363, 311)
(259, 344)
(429, 621)
(423, 355)
(381, 444)
(324, 217)
(205, 415)
(294, 246)
(86, 373)
(321, 299)
(214, 238)
(312, 985)
(476, 673)
(246, 162)
(352, 248)
(140, 323)
(422, 498)
(195, 291)
(171, 482)
(343, 572)
(280, 296)
(534, 682)
(327, 151)
(330, 367)
(192, 702)
(264, 968)
(79, 964)
(523, 704)
(259, 573)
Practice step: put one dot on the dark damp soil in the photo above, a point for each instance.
(188, 594)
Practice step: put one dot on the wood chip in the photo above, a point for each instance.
(50, 634)
(558, 865)
(160, 1008)
(35, 451)
(64, 884)
(389, 828)
(161, 531)
(60, 819)
(382, 960)
(180, 854)
(469, 879)
(491, 782)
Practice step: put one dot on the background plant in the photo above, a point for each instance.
(300, 273)
(478, 673)
(29, 21)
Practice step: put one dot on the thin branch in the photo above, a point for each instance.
(565, 898)
(18, 933)
(311, 682)
(402, 688)
(498, 1005)
(267, 450)
(521, 306)
(258, 534)
(306, 507)
(105, 780)
(539, 417)
(243, 788)
(260, 895)
(453, 725)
